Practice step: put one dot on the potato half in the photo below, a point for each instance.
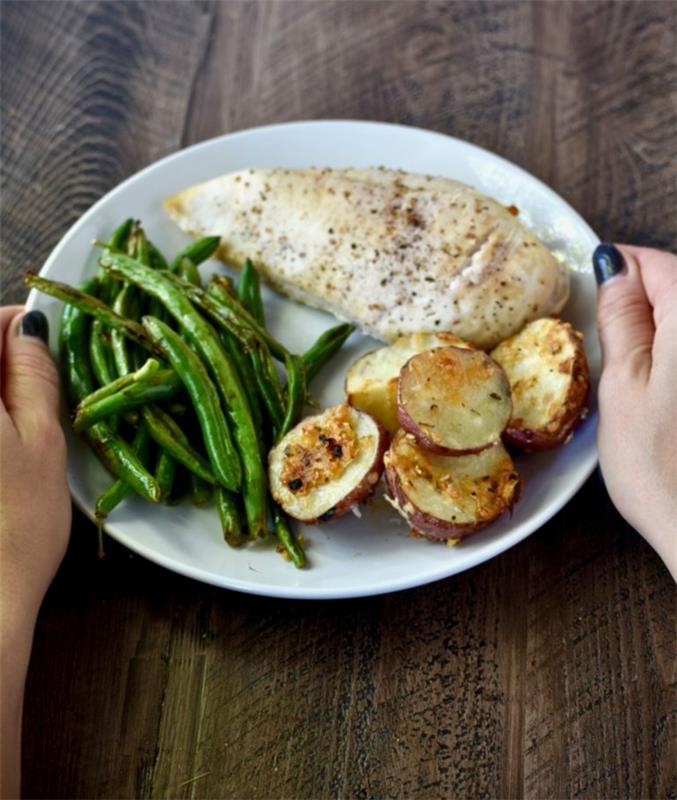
(549, 380)
(453, 400)
(371, 381)
(449, 497)
(327, 464)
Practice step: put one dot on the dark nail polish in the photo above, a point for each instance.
(35, 324)
(607, 261)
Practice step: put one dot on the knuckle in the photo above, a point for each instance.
(616, 304)
(33, 364)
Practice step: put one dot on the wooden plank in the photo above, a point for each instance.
(92, 92)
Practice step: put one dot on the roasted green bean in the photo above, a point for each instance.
(120, 489)
(326, 346)
(165, 473)
(249, 292)
(205, 340)
(197, 252)
(296, 394)
(220, 448)
(90, 305)
(230, 514)
(164, 430)
(187, 271)
(158, 386)
(287, 538)
(113, 452)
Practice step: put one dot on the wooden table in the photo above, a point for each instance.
(547, 672)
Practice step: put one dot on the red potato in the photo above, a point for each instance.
(549, 380)
(449, 497)
(371, 381)
(327, 464)
(455, 401)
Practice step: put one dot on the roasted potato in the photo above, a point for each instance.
(327, 464)
(549, 380)
(455, 401)
(449, 497)
(371, 381)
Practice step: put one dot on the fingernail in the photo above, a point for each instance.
(34, 324)
(607, 261)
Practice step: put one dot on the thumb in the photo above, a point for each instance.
(30, 388)
(624, 315)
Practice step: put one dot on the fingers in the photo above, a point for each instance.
(7, 314)
(624, 315)
(30, 388)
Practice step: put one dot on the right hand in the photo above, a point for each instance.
(637, 439)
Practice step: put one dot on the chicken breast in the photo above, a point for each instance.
(393, 252)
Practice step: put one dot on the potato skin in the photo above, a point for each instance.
(426, 524)
(558, 347)
(403, 466)
(500, 383)
(371, 380)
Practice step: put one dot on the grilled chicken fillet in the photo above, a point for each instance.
(393, 252)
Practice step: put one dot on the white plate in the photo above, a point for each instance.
(352, 557)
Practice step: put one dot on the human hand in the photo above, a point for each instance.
(35, 510)
(637, 438)
(34, 501)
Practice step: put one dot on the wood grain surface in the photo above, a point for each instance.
(548, 672)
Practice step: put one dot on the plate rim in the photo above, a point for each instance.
(296, 592)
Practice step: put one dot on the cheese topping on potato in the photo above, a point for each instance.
(327, 464)
(320, 453)
(461, 490)
(549, 380)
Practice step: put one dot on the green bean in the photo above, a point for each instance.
(100, 355)
(200, 491)
(287, 538)
(326, 346)
(296, 394)
(149, 368)
(113, 452)
(144, 253)
(157, 260)
(243, 365)
(198, 251)
(164, 430)
(189, 272)
(219, 312)
(165, 473)
(141, 249)
(205, 340)
(128, 305)
(230, 515)
(119, 238)
(262, 368)
(220, 448)
(229, 313)
(110, 287)
(156, 387)
(73, 348)
(117, 492)
(249, 292)
(223, 283)
(268, 382)
(90, 305)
